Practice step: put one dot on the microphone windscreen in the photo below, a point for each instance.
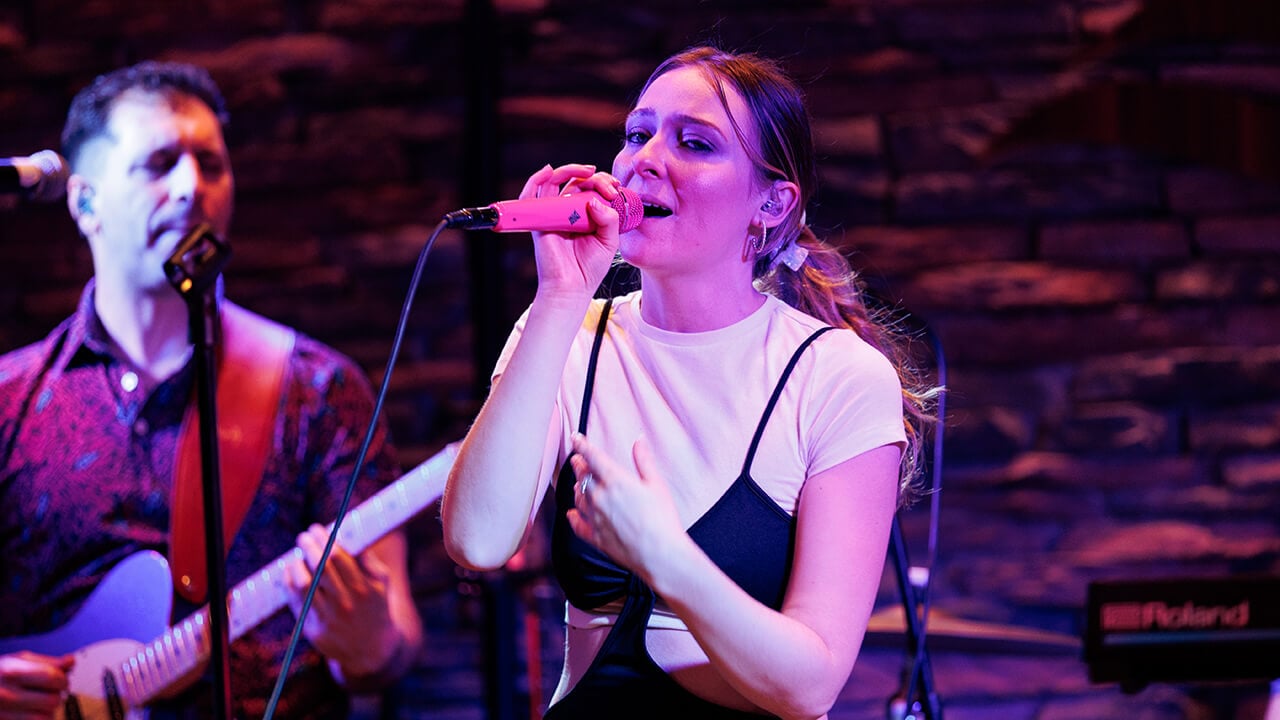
(53, 176)
(630, 209)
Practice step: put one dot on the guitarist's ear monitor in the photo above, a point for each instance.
(772, 206)
(84, 203)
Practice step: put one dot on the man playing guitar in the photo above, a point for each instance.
(91, 421)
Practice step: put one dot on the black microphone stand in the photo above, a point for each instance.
(193, 269)
(918, 670)
(918, 699)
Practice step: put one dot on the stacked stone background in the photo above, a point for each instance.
(1077, 198)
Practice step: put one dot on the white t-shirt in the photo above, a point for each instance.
(698, 398)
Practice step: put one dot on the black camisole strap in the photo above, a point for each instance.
(591, 365)
(773, 400)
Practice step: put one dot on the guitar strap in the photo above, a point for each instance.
(252, 362)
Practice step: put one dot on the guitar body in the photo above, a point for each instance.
(130, 607)
(89, 681)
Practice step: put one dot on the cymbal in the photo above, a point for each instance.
(948, 632)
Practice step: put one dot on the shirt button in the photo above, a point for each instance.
(140, 427)
(129, 381)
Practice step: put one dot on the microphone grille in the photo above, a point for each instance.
(53, 176)
(630, 209)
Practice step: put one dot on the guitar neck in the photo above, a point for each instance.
(185, 646)
(260, 595)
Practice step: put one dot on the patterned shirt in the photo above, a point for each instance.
(87, 456)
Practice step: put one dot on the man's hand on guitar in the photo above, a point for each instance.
(350, 620)
(32, 685)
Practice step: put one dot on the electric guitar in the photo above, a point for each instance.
(124, 655)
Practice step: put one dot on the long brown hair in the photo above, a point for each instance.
(823, 284)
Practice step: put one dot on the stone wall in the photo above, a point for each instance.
(1077, 198)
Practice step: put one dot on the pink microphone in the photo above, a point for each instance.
(560, 214)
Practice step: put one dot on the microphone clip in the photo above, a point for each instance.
(197, 261)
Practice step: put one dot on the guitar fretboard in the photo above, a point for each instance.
(181, 649)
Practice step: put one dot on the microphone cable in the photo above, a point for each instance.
(359, 464)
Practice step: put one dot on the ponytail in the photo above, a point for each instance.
(826, 287)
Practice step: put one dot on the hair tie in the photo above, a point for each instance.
(791, 255)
